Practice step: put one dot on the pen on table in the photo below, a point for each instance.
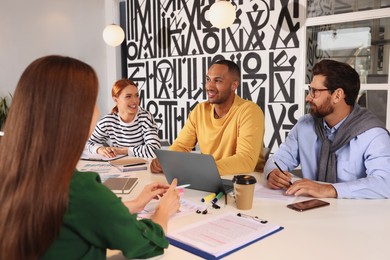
(134, 164)
(92, 159)
(220, 194)
(183, 186)
(280, 169)
(208, 198)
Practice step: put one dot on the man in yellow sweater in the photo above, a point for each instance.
(226, 126)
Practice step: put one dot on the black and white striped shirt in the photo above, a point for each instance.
(140, 135)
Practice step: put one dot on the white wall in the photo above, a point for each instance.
(31, 29)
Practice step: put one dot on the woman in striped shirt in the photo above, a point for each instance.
(129, 129)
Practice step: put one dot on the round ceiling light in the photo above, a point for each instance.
(113, 35)
(222, 14)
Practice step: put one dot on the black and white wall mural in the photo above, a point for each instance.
(171, 44)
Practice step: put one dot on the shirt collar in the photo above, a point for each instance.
(331, 132)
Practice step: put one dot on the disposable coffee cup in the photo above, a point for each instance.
(244, 187)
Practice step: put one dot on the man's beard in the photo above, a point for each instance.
(220, 98)
(322, 110)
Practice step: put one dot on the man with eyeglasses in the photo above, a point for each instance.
(343, 149)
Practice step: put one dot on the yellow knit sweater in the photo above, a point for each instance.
(235, 140)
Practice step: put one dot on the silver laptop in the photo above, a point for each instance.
(196, 169)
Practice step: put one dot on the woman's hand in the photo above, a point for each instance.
(169, 205)
(150, 191)
(111, 152)
(106, 151)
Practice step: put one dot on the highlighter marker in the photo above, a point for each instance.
(220, 194)
(208, 198)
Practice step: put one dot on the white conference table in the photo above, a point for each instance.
(347, 229)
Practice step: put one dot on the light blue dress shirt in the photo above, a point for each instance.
(363, 165)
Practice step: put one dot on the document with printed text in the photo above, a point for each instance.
(221, 235)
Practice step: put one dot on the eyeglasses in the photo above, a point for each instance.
(315, 93)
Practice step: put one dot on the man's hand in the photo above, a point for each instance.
(279, 180)
(155, 166)
(311, 188)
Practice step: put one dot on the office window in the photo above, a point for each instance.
(316, 8)
(375, 101)
(362, 44)
(356, 32)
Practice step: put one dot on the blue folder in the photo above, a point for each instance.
(207, 255)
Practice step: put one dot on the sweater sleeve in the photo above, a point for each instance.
(187, 138)
(98, 138)
(150, 136)
(101, 218)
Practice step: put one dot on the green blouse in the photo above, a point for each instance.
(96, 219)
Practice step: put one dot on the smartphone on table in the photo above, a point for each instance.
(308, 204)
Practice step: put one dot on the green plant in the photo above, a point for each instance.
(4, 107)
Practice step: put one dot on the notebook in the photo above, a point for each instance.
(121, 185)
(130, 164)
(198, 170)
(87, 156)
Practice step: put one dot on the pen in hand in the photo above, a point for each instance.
(280, 169)
(183, 186)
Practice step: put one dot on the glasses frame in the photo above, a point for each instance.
(315, 92)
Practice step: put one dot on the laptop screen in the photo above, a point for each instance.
(198, 170)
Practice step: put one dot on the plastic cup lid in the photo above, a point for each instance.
(244, 179)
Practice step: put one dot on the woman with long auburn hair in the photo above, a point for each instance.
(128, 129)
(49, 210)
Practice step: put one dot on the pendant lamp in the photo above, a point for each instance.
(113, 35)
(222, 14)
